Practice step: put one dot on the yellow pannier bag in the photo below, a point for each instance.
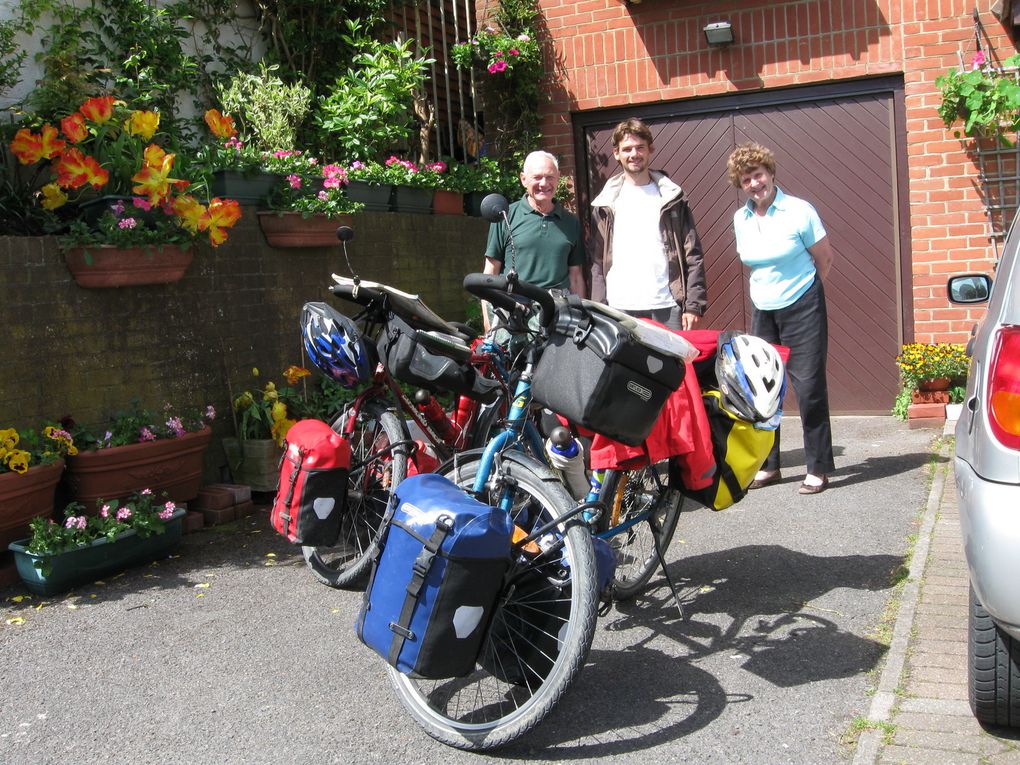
(739, 449)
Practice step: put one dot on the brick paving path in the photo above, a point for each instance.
(932, 718)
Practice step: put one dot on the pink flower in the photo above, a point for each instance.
(978, 61)
(104, 512)
(118, 207)
(323, 195)
(124, 513)
(82, 522)
(127, 223)
(71, 522)
(513, 52)
(392, 161)
(167, 512)
(294, 181)
(210, 412)
(497, 67)
(234, 144)
(141, 203)
(331, 182)
(145, 492)
(146, 435)
(175, 424)
(523, 38)
(357, 165)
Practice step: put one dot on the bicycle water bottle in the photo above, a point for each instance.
(566, 455)
(433, 413)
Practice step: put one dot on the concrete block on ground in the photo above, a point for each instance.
(244, 509)
(213, 498)
(193, 521)
(925, 422)
(219, 515)
(241, 492)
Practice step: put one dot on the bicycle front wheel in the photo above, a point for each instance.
(541, 630)
(627, 496)
(346, 564)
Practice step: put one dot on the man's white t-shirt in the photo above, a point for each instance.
(639, 277)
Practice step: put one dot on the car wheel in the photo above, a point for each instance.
(993, 670)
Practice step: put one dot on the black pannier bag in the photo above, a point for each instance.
(436, 578)
(407, 359)
(597, 374)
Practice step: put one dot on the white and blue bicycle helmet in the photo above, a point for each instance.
(336, 346)
(752, 378)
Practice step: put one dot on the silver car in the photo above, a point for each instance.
(988, 484)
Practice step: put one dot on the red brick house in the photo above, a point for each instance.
(844, 92)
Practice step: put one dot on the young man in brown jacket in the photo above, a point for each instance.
(645, 253)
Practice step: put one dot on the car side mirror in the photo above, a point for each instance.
(969, 288)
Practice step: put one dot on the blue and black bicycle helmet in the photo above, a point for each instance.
(336, 346)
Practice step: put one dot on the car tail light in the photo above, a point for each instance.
(1004, 387)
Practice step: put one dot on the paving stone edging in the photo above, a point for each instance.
(927, 659)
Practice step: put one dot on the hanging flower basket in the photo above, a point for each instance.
(99, 266)
(173, 465)
(291, 229)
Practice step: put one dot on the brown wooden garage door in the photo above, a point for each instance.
(837, 146)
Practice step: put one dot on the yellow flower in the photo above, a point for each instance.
(281, 427)
(255, 371)
(243, 401)
(17, 461)
(270, 394)
(294, 373)
(53, 197)
(143, 124)
(9, 438)
(279, 411)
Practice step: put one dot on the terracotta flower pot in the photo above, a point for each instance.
(24, 496)
(290, 229)
(448, 203)
(934, 384)
(173, 465)
(109, 266)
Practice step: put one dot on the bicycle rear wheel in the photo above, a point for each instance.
(628, 494)
(540, 633)
(347, 563)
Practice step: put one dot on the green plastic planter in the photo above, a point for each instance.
(101, 558)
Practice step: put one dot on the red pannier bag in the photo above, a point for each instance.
(312, 492)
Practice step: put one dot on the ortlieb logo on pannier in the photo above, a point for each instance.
(436, 579)
(313, 484)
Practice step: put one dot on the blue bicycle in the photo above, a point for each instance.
(544, 623)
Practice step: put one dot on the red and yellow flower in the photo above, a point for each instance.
(143, 124)
(221, 125)
(98, 109)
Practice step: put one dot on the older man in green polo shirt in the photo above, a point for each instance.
(547, 238)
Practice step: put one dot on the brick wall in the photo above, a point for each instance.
(609, 54)
(85, 352)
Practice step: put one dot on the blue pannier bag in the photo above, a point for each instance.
(436, 578)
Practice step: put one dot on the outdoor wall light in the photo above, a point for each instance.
(719, 33)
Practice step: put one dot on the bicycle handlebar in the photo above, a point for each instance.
(500, 291)
(357, 293)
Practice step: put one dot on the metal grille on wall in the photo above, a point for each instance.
(999, 168)
(451, 95)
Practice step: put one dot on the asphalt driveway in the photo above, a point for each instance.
(231, 652)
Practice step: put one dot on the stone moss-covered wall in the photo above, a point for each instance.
(87, 353)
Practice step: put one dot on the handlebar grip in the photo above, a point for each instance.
(500, 290)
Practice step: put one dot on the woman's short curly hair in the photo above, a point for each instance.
(747, 157)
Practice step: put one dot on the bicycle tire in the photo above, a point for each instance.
(509, 692)
(347, 563)
(636, 559)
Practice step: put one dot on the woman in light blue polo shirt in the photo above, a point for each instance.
(783, 241)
